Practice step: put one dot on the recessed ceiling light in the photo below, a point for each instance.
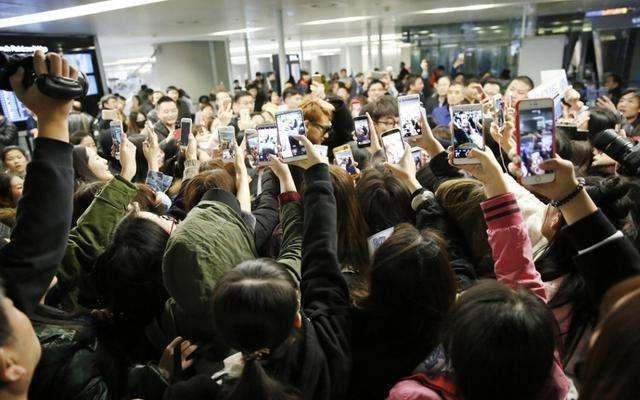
(494, 27)
(337, 20)
(234, 31)
(73, 12)
(423, 32)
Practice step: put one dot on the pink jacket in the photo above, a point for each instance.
(513, 263)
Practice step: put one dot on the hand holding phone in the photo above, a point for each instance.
(393, 145)
(227, 143)
(290, 125)
(267, 142)
(185, 131)
(344, 159)
(115, 127)
(410, 115)
(362, 131)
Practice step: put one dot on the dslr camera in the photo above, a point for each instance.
(620, 149)
(57, 87)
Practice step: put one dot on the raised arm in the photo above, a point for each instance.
(506, 230)
(39, 239)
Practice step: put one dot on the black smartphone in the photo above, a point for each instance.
(185, 131)
(362, 131)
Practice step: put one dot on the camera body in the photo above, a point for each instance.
(620, 149)
(57, 87)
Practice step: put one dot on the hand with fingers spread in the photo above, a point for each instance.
(488, 171)
(152, 152)
(405, 170)
(605, 102)
(225, 114)
(283, 173)
(52, 113)
(166, 362)
(127, 158)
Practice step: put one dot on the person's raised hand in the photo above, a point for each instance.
(313, 157)
(283, 173)
(317, 89)
(565, 180)
(127, 158)
(151, 150)
(429, 142)
(166, 362)
(487, 171)
(52, 113)
(605, 102)
(405, 170)
(191, 152)
(224, 115)
(240, 150)
(373, 135)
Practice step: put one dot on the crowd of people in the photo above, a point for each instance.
(151, 268)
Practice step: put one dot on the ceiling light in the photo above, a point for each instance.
(475, 7)
(234, 31)
(477, 28)
(494, 27)
(336, 20)
(72, 12)
(124, 61)
(423, 32)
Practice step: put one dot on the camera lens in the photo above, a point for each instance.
(609, 142)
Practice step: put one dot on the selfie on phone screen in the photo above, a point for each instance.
(267, 142)
(393, 145)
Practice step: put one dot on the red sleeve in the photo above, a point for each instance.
(510, 244)
(286, 197)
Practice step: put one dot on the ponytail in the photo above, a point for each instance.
(256, 384)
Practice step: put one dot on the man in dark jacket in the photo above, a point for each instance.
(8, 133)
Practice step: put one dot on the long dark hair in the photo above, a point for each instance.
(352, 228)
(612, 365)
(500, 343)
(6, 196)
(255, 307)
(411, 282)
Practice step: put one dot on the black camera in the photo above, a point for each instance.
(57, 87)
(620, 149)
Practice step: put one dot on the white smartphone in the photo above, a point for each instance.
(227, 143)
(410, 115)
(267, 142)
(110, 115)
(291, 124)
(498, 105)
(185, 131)
(419, 156)
(535, 133)
(393, 145)
(115, 127)
(466, 127)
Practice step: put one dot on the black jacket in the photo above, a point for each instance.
(318, 363)
(39, 239)
(8, 134)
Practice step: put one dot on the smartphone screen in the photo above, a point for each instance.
(185, 131)
(290, 124)
(498, 104)
(536, 139)
(116, 136)
(466, 123)
(252, 145)
(362, 131)
(267, 142)
(410, 115)
(393, 145)
(227, 137)
(344, 159)
(418, 158)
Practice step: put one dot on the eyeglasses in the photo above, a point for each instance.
(387, 122)
(323, 128)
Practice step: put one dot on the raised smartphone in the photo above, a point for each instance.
(291, 124)
(410, 115)
(185, 131)
(362, 131)
(267, 142)
(344, 159)
(393, 145)
(535, 125)
(115, 127)
(466, 127)
(227, 143)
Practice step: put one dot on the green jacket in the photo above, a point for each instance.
(209, 242)
(88, 239)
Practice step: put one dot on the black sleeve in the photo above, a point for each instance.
(437, 171)
(266, 209)
(431, 215)
(325, 296)
(8, 134)
(39, 239)
(607, 264)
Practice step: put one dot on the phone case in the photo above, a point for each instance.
(518, 135)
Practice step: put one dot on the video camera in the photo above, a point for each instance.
(620, 149)
(57, 87)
